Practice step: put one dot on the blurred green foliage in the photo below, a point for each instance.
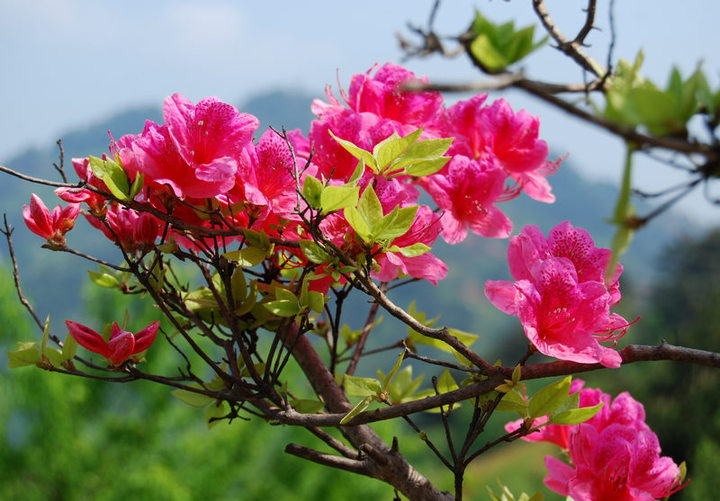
(75, 439)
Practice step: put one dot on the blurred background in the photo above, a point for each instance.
(76, 69)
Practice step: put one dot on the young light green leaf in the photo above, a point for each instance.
(313, 252)
(393, 147)
(357, 152)
(191, 398)
(247, 257)
(446, 382)
(215, 413)
(396, 223)
(256, 239)
(549, 398)
(69, 348)
(513, 402)
(54, 356)
(386, 381)
(306, 406)
(26, 354)
(361, 386)
(575, 416)
(361, 406)
(311, 190)
(283, 307)
(103, 279)
(338, 197)
(416, 249)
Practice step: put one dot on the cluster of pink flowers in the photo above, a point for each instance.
(615, 455)
(204, 156)
(561, 294)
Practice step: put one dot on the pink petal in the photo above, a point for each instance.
(121, 346)
(88, 338)
(146, 337)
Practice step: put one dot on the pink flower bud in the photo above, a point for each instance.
(122, 344)
(50, 225)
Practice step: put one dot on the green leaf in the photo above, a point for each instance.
(306, 406)
(215, 413)
(395, 224)
(314, 300)
(256, 239)
(357, 152)
(311, 191)
(517, 372)
(54, 356)
(549, 398)
(402, 388)
(386, 380)
(113, 175)
(137, 185)
(314, 252)
(361, 406)
(496, 47)
(283, 307)
(394, 146)
(350, 336)
(513, 401)
(238, 286)
(247, 257)
(416, 249)
(575, 416)
(103, 279)
(361, 386)
(69, 348)
(426, 167)
(26, 354)
(46, 335)
(200, 299)
(338, 197)
(358, 224)
(191, 398)
(446, 382)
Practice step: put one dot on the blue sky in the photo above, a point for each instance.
(69, 63)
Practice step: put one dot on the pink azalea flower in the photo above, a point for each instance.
(130, 229)
(615, 455)
(467, 190)
(196, 152)
(266, 174)
(52, 226)
(381, 95)
(560, 295)
(510, 137)
(121, 345)
(615, 463)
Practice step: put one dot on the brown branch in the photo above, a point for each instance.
(588, 26)
(363, 336)
(16, 273)
(573, 49)
(383, 463)
(630, 354)
(342, 463)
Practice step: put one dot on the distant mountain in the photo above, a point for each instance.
(53, 279)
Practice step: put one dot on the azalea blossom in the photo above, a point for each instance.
(52, 226)
(196, 152)
(512, 138)
(560, 294)
(130, 229)
(614, 455)
(466, 190)
(121, 345)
